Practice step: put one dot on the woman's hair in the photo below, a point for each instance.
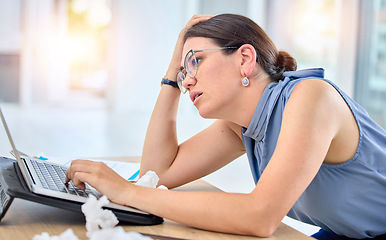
(230, 30)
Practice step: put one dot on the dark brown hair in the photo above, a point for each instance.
(231, 30)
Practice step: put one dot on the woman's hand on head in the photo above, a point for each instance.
(193, 21)
(177, 54)
(99, 176)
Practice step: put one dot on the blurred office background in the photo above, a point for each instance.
(79, 78)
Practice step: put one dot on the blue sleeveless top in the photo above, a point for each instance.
(349, 198)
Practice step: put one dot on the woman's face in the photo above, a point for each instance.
(218, 80)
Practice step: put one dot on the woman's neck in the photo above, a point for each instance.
(248, 102)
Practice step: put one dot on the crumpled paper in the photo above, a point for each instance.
(150, 179)
(101, 223)
(98, 218)
(117, 233)
(66, 235)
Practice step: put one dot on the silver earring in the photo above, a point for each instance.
(245, 82)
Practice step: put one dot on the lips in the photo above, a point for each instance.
(194, 96)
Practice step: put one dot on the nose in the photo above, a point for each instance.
(188, 82)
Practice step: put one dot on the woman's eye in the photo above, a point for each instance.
(193, 62)
(198, 60)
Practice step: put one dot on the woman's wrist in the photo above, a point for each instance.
(171, 73)
(166, 81)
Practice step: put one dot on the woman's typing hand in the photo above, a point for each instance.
(101, 177)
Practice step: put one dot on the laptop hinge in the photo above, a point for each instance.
(29, 172)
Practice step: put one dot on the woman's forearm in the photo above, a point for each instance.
(216, 211)
(161, 145)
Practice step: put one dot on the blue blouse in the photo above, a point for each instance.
(348, 198)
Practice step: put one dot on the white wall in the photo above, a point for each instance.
(142, 41)
(340, 49)
(44, 67)
(10, 27)
(348, 45)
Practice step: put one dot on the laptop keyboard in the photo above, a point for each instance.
(53, 177)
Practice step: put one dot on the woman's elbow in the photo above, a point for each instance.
(267, 231)
(263, 230)
(264, 223)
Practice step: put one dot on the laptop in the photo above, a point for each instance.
(45, 183)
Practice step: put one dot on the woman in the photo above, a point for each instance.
(314, 153)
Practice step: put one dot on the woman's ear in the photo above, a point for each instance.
(248, 59)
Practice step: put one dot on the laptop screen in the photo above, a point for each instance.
(17, 155)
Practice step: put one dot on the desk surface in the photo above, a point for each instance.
(25, 219)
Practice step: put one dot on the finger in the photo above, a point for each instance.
(66, 180)
(202, 16)
(79, 180)
(197, 19)
(77, 165)
(88, 167)
(68, 175)
(80, 185)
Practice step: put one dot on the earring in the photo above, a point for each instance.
(245, 82)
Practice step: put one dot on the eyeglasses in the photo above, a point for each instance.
(190, 66)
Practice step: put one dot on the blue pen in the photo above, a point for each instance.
(134, 176)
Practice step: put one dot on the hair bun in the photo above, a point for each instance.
(286, 61)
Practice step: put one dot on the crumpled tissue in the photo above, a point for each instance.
(150, 179)
(117, 233)
(66, 235)
(101, 223)
(96, 217)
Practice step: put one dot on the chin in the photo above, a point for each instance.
(205, 113)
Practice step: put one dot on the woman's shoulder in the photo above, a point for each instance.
(231, 126)
(315, 99)
(319, 95)
(315, 88)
